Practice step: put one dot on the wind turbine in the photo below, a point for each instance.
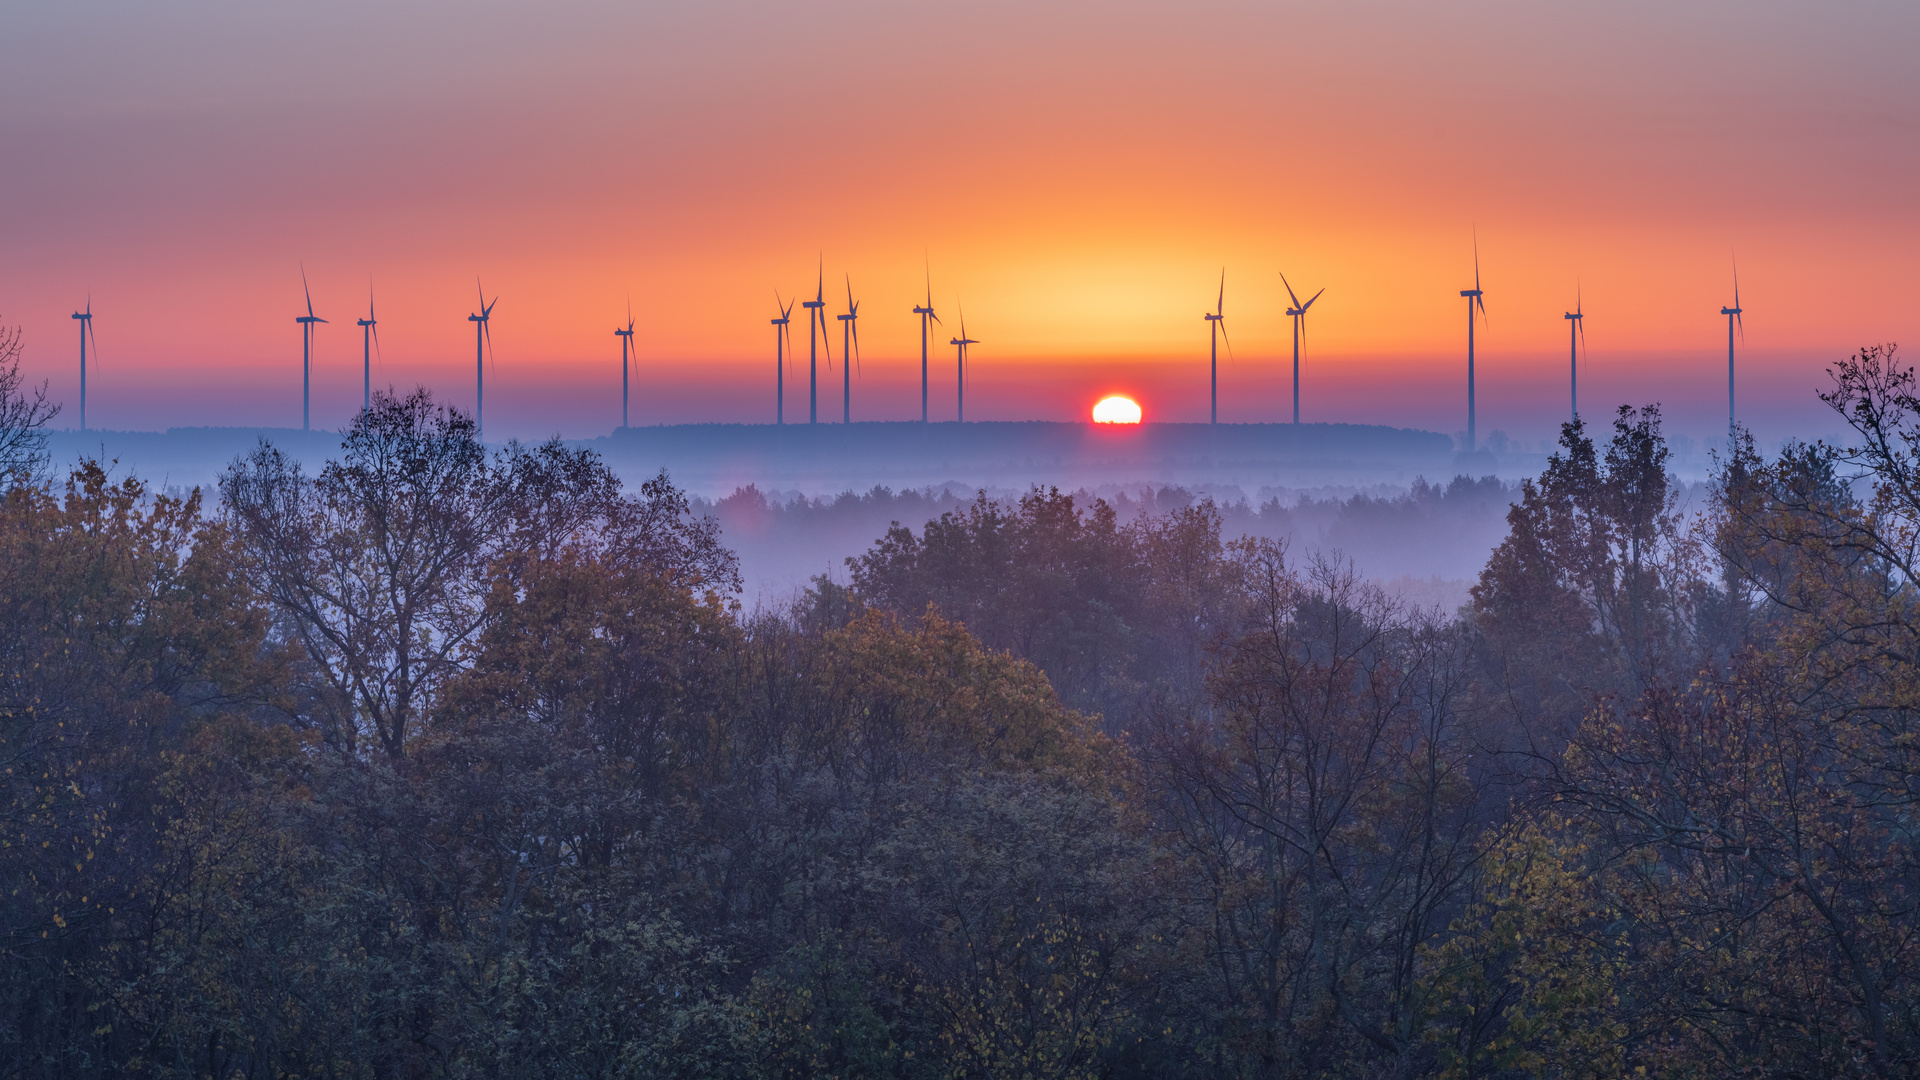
(1298, 312)
(960, 350)
(849, 347)
(482, 344)
(626, 341)
(369, 337)
(86, 331)
(780, 336)
(1576, 337)
(925, 313)
(306, 354)
(816, 336)
(1216, 327)
(1473, 296)
(1733, 319)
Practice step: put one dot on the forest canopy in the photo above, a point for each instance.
(457, 761)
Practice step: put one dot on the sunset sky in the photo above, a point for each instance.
(1076, 175)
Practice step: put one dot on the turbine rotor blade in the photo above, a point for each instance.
(1303, 307)
(1289, 285)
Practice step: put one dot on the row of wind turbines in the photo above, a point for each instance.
(817, 335)
(1217, 332)
(1576, 339)
(369, 342)
(819, 341)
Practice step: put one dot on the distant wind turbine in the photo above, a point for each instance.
(849, 348)
(369, 338)
(1473, 296)
(960, 350)
(626, 343)
(86, 332)
(1576, 337)
(816, 337)
(925, 312)
(306, 354)
(1298, 312)
(482, 344)
(1733, 319)
(780, 337)
(1217, 328)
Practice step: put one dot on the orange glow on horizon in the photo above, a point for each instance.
(1110, 171)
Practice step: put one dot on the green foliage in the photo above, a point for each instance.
(1526, 982)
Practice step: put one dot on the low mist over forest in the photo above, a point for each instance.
(1423, 544)
(436, 759)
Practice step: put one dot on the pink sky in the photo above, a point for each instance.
(1076, 173)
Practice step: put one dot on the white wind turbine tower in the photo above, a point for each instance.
(816, 337)
(1298, 312)
(1576, 337)
(781, 346)
(849, 351)
(1473, 296)
(1733, 319)
(960, 365)
(86, 334)
(482, 344)
(369, 340)
(1217, 329)
(925, 311)
(626, 343)
(306, 322)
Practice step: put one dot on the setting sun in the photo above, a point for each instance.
(1116, 410)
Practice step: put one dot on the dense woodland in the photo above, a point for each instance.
(448, 761)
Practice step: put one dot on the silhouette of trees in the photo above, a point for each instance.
(448, 762)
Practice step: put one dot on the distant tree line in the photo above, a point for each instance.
(1458, 523)
(444, 761)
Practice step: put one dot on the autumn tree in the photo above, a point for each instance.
(381, 565)
(1323, 811)
(1590, 594)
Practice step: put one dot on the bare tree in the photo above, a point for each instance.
(24, 413)
(382, 564)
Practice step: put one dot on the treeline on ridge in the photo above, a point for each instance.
(453, 762)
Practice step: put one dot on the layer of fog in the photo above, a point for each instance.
(1423, 540)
